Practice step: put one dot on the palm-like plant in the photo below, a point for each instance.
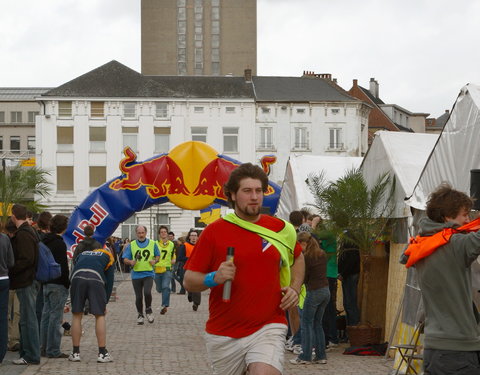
(21, 185)
(355, 212)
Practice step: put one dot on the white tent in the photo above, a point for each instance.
(403, 155)
(457, 149)
(295, 192)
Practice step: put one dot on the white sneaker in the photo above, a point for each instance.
(150, 318)
(332, 344)
(297, 349)
(104, 358)
(140, 319)
(74, 357)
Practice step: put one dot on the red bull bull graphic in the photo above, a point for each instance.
(191, 176)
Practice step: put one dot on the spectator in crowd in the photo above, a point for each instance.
(43, 227)
(55, 292)
(348, 274)
(22, 280)
(13, 303)
(6, 262)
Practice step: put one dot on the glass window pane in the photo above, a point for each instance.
(97, 176)
(65, 135)
(64, 109)
(31, 144)
(129, 109)
(14, 143)
(130, 140)
(162, 143)
(97, 109)
(64, 179)
(2, 116)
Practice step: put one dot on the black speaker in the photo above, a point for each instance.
(475, 188)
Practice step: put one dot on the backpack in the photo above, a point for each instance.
(47, 268)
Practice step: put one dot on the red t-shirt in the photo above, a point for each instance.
(256, 292)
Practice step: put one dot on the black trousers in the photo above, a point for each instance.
(451, 362)
(143, 287)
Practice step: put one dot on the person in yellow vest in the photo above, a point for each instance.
(163, 269)
(142, 255)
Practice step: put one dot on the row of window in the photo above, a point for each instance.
(301, 111)
(16, 117)
(14, 142)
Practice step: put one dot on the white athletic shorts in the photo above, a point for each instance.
(229, 356)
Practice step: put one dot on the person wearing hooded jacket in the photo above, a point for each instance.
(88, 244)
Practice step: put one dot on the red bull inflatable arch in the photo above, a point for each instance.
(191, 176)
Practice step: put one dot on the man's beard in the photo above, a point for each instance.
(249, 211)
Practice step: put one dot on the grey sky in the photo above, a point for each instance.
(422, 52)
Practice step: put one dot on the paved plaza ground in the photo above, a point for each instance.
(172, 345)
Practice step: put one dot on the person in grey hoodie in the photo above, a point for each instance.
(452, 331)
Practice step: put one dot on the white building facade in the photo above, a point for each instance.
(85, 124)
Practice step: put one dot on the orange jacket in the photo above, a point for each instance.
(188, 249)
(421, 247)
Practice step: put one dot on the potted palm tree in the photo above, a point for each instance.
(357, 213)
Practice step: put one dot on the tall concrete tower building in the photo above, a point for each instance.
(199, 37)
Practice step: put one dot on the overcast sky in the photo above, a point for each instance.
(420, 51)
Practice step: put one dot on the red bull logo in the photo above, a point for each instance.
(191, 176)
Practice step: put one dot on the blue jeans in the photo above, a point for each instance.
(162, 284)
(29, 337)
(297, 338)
(312, 330)
(4, 284)
(349, 289)
(54, 297)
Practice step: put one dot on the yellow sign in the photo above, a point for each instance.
(28, 162)
(9, 209)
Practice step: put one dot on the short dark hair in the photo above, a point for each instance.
(246, 170)
(10, 226)
(305, 212)
(19, 211)
(88, 230)
(162, 227)
(296, 218)
(447, 202)
(58, 224)
(171, 234)
(43, 220)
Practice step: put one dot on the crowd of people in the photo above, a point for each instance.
(273, 283)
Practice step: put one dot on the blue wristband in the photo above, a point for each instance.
(208, 281)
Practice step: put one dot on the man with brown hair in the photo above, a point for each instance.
(452, 331)
(87, 244)
(22, 280)
(248, 331)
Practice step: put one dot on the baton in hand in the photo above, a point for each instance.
(227, 285)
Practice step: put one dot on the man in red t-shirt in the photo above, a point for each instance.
(248, 331)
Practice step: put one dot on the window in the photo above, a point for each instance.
(335, 111)
(15, 117)
(97, 138)
(161, 110)
(215, 68)
(199, 134)
(31, 116)
(266, 138)
(97, 109)
(2, 116)
(230, 109)
(301, 138)
(65, 109)
(15, 143)
(65, 138)
(130, 135)
(336, 139)
(230, 139)
(162, 140)
(97, 176)
(215, 41)
(215, 13)
(301, 110)
(215, 54)
(64, 179)
(129, 109)
(1, 143)
(31, 144)
(265, 110)
(182, 27)
(128, 227)
(198, 109)
(215, 27)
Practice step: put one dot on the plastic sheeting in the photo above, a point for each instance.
(456, 151)
(401, 154)
(295, 193)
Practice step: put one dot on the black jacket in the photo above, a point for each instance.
(25, 251)
(57, 246)
(349, 262)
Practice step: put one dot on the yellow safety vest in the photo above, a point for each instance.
(167, 252)
(147, 253)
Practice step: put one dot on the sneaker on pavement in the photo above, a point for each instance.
(150, 318)
(297, 349)
(195, 307)
(332, 344)
(61, 355)
(104, 358)
(140, 319)
(74, 357)
(164, 310)
(320, 361)
(23, 361)
(298, 361)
